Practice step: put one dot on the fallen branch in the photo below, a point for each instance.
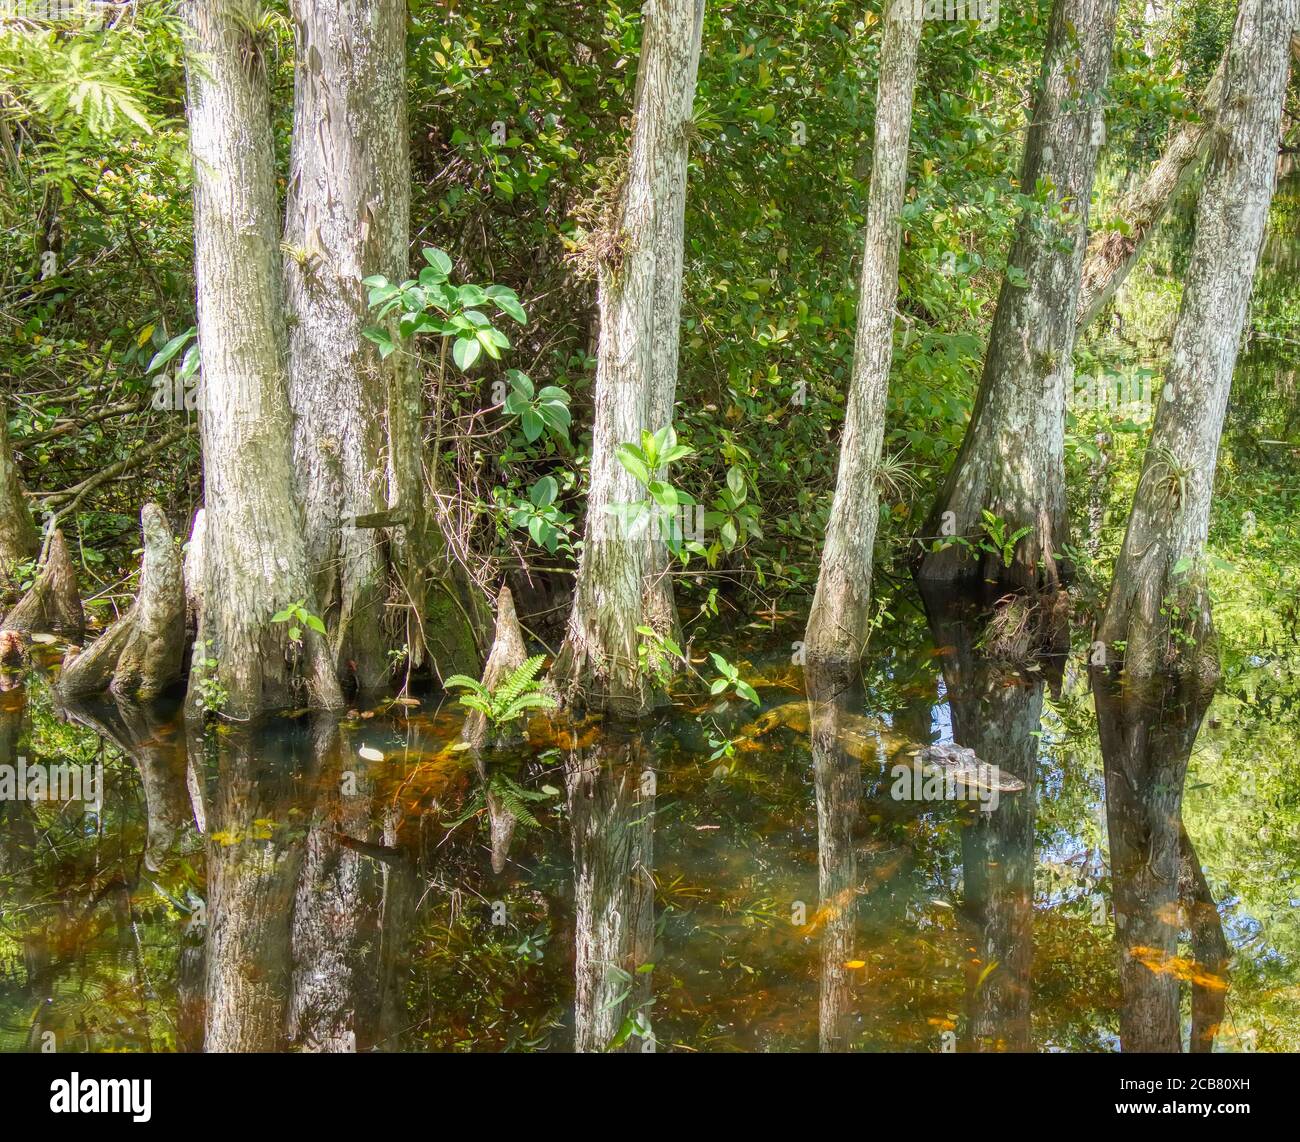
(1111, 254)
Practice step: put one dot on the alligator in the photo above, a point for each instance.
(961, 765)
(861, 737)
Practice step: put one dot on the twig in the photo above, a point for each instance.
(77, 494)
(64, 427)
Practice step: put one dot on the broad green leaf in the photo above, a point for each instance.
(168, 351)
(466, 351)
(438, 260)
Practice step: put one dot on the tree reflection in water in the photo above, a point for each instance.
(611, 789)
(1147, 735)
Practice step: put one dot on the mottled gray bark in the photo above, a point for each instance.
(840, 616)
(255, 557)
(18, 540)
(670, 249)
(1159, 607)
(1012, 460)
(837, 779)
(192, 568)
(622, 581)
(507, 654)
(357, 418)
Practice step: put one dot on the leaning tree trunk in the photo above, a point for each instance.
(255, 557)
(356, 439)
(1112, 253)
(838, 623)
(1159, 607)
(17, 532)
(622, 578)
(1012, 460)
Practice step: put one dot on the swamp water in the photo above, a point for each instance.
(728, 878)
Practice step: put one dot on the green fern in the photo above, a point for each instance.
(521, 678)
(518, 692)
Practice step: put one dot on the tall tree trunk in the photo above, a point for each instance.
(670, 252)
(17, 532)
(255, 555)
(1112, 254)
(622, 578)
(356, 428)
(1159, 607)
(838, 623)
(1012, 460)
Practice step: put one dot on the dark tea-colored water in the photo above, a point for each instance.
(726, 877)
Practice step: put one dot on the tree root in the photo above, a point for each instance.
(141, 654)
(53, 603)
(508, 653)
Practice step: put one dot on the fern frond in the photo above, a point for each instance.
(473, 806)
(519, 680)
(532, 700)
(476, 702)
